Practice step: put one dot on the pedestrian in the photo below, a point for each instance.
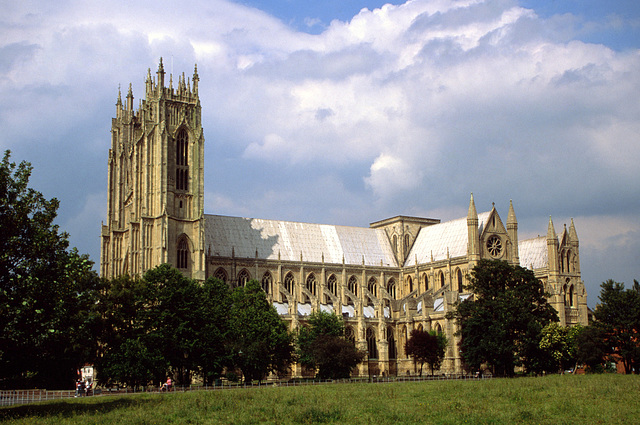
(169, 383)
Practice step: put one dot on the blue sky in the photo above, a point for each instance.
(348, 112)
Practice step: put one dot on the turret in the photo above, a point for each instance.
(161, 73)
(512, 231)
(552, 247)
(473, 246)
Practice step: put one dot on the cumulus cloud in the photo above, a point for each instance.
(399, 109)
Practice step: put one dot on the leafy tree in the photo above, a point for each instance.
(501, 324)
(426, 347)
(126, 356)
(560, 343)
(591, 348)
(259, 340)
(45, 290)
(322, 345)
(618, 315)
(172, 319)
(214, 336)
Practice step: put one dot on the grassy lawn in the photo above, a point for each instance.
(590, 399)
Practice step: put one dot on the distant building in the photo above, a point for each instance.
(399, 274)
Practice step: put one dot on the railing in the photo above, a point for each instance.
(13, 397)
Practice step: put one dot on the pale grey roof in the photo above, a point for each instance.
(452, 235)
(291, 239)
(533, 253)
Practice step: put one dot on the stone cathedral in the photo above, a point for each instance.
(385, 280)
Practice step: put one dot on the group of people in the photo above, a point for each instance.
(83, 388)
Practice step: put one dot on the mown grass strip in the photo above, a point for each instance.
(591, 399)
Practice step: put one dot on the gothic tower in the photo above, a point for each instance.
(155, 210)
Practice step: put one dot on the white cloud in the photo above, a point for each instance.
(406, 107)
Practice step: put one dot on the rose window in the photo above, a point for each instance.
(494, 246)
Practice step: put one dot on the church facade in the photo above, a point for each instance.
(385, 280)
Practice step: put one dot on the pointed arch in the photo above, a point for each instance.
(266, 282)
(391, 343)
(391, 288)
(243, 277)
(332, 284)
(221, 274)
(372, 346)
(410, 284)
(311, 283)
(289, 282)
(182, 253)
(425, 281)
(459, 278)
(441, 279)
(352, 285)
(372, 286)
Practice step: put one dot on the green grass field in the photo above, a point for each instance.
(590, 399)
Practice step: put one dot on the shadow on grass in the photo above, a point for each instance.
(68, 408)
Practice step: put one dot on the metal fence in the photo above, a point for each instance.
(13, 397)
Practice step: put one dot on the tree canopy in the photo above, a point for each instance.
(618, 316)
(322, 344)
(260, 342)
(45, 289)
(426, 347)
(501, 325)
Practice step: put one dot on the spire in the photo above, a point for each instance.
(195, 79)
(130, 98)
(473, 237)
(511, 218)
(472, 214)
(161, 76)
(512, 231)
(119, 101)
(551, 231)
(572, 232)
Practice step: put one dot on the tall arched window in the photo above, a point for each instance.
(391, 288)
(425, 280)
(243, 277)
(391, 343)
(182, 259)
(441, 279)
(459, 276)
(571, 294)
(438, 328)
(311, 283)
(372, 346)
(266, 282)
(353, 285)
(568, 261)
(395, 244)
(332, 284)
(182, 168)
(221, 274)
(289, 281)
(406, 244)
(372, 286)
(410, 283)
(349, 334)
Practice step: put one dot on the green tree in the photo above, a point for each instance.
(322, 345)
(618, 314)
(260, 341)
(426, 347)
(172, 319)
(501, 324)
(126, 356)
(591, 348)
(213, 350)
(45, 289)
(560, 343)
